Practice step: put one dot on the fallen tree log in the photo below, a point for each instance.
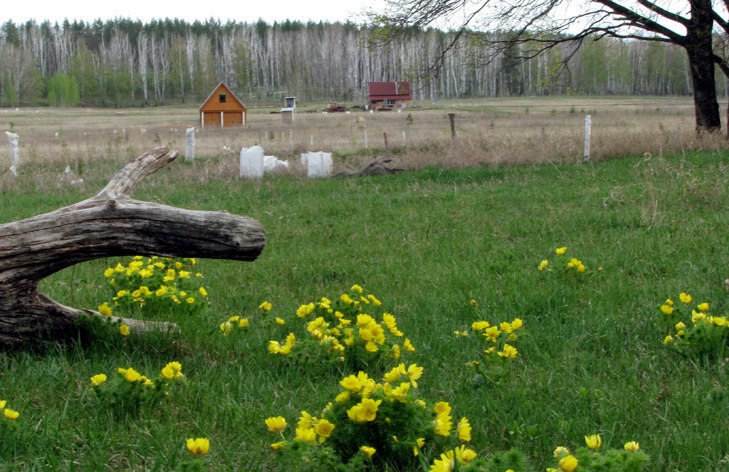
(108, 224)
(376, 167)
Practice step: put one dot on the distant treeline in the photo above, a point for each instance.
(122, 63)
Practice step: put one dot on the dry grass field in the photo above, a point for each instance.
(492, 132)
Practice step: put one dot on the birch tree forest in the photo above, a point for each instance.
(124, 63)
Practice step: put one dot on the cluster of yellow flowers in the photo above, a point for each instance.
(344, 328)
(572, 264)
(131, 389)
(171, 371)
(699, 333)
(371, 411)
(155, 281)
(450, 460)
(499, 336)
(499, 349)
(234, 322)
(630, 458)
(8, 414)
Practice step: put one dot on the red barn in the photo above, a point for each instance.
(388, 95)
(222, 108)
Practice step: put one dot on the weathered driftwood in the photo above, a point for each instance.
(108, 224)
(376, 167)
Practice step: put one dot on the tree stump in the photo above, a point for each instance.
(108, 224)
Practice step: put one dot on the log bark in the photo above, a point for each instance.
(108, 224)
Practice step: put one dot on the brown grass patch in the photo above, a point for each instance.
(493, 132)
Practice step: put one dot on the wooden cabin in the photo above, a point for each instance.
(223, 109)
(389, 95)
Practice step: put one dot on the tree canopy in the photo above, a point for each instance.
(699, 27)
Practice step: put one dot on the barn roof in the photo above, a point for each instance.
(389, 90)
(216, 91)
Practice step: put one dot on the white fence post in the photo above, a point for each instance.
(190, 145)
(588, 131)
(14, 153)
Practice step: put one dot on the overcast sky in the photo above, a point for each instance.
(20, 11)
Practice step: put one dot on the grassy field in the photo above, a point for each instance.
(440, 246)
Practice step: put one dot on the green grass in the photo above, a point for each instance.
(426, 243)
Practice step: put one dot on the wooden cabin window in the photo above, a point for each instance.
(221, 98)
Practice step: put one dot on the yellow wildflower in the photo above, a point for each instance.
(509, 352)
(543, 265)
(480, 325)
(442, 425)
(226, 327)
(414, 372)
(324, 429)
(391, 324)
(492, 333)
(105, 309)
(463, 430)
(368, 450)
(306, 435)
(305, 310)
(203, 292)
(703, 307)
(97, 379)
(190, 300)
(394, 374)
(276, 424)
(464, 454)
(631, 446)
(408, 346)
(560, 250)
(265, 306)
(198, 446)
(560, 451)
(419, 443)
(593, 441)
(280, 321)
(10, 414)
(685, 297)
(278, 445)
(568, 463)
(130, 375)
(351, 383)
(668, 340)
(173, 370)
(666, 309)
(364, 411)
(124, 329)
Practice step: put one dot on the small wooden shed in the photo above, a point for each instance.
(223, 109)
(388, 95)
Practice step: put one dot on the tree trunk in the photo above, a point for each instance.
(699, 47)
(109, 224)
